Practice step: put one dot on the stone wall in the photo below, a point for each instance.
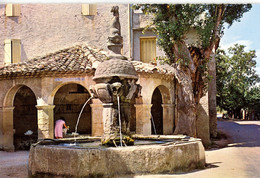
(112, 162)
(45, 28)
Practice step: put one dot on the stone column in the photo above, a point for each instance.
(96, 117)
(109, 122)
(8, 129)
(143, 119)
(168, 119)
(45, 121)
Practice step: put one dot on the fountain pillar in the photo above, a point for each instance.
(110, 123)
(115, 86)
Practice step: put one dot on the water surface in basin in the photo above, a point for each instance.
(97, 144)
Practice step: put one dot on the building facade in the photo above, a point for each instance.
(48, 56)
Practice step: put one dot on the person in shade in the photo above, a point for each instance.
(59, 124)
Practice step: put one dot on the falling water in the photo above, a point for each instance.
(153, 124)
(76, 127)
(119, 118)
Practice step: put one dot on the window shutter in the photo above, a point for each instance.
(147, 49)
(12, 51)
(12, 10)
(89, 9)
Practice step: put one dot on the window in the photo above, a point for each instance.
(89, 9)
(12, 51)
(147, 49)
(12, 10)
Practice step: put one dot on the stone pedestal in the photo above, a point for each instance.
(143, 119)
(97, 115)
(8, 132)
(45, 121)
(109, 122)
(168, 119)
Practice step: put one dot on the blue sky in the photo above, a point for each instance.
(245, 32)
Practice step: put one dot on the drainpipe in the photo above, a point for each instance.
(130, 30)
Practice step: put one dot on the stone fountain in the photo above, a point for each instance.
(115, 87)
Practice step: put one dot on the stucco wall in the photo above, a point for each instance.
(45, 28)
(149, 84)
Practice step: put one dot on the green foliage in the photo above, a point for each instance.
(231, 13)
(173, 21)
(235, 78)
(253, 98)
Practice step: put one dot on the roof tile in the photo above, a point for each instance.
(78, 59)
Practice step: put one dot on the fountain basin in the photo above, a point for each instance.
(67, 161)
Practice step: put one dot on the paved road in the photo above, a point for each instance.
(240, 159)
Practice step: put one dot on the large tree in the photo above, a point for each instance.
(172, 22)
(236, 78)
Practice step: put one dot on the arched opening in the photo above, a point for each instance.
(68, 101)
(25, 123)
(157, 112)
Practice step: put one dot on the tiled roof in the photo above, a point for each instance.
(79, 59)
(149, 68)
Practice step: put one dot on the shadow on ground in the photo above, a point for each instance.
(241, 133)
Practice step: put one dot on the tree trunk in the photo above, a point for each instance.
(212, 90)
(186, 104)
(186, 110)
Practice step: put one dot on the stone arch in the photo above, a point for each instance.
(9, 98)
(68, 99)
(54, 91)
(166, 98)
(157, 112)
(19, 116)
(162, 111)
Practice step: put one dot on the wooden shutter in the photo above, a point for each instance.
(89, 9)
(147, 49)
(12, 10)
(12, 51)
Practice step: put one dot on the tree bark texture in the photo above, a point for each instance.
(186, 104)
(212, 91)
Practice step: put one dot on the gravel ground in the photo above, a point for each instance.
(13, 164)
